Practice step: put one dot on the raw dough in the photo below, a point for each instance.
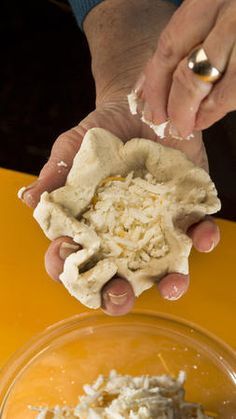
(112, 185)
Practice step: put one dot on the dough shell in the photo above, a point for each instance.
(192, 196)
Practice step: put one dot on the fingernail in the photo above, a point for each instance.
(173, 297)
(208, 248)
(21, 192)
(174, 294)
(174, 133)
(138, 86)
(28, 198)
(66, 249)
(117, 299)
(25, 189)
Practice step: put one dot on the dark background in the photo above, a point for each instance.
(47, 87)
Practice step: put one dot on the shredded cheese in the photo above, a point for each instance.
(127, 397)
(126, 213)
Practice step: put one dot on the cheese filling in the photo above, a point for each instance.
(126, 213)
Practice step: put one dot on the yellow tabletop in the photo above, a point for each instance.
(31, 301)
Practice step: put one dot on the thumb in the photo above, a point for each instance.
(54, 173)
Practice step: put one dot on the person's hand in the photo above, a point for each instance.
(117, 295)
(121, 36)
(171, 90)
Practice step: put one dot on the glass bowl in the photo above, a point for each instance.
(53, 367)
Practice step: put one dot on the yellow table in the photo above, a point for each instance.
(30, 300)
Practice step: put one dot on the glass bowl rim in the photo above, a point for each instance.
(42, 340)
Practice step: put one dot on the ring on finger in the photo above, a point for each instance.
(200, 64)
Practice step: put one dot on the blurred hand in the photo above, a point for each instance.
(117, 294)
(171, 89)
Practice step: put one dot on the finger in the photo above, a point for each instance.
(222, 98)
(173, 286)
(188, 27)
(205, 235)
(56, 254)
(220, 41)
(187, 92)
(117, 297)
(53, 174)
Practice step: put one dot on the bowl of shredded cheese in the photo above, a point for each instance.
(142, 365)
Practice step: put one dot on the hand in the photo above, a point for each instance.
(171, 89)
(121, 36)
(117, 295)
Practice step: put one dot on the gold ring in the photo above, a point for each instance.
(199, 63)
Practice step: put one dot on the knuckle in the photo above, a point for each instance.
(61, 139)
(181, 77)
(165, 47)
(189, 82)
(66, 144)
(64, 149)
(218, 99)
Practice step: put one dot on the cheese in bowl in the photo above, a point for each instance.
(52, 368)
(128, 397)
